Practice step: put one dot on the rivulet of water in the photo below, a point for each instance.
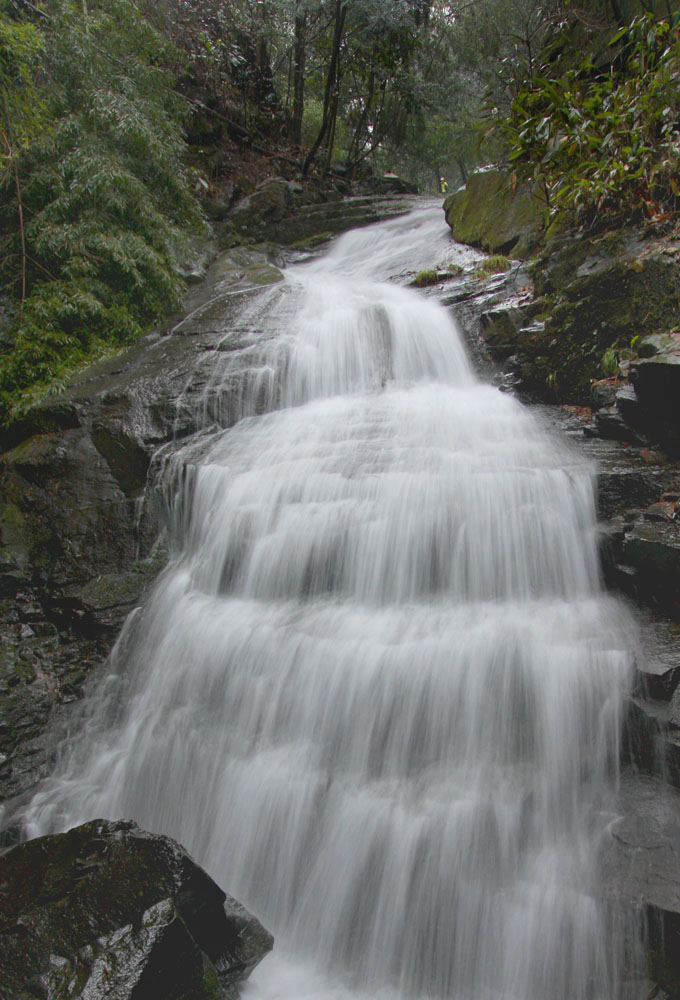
(377, 691)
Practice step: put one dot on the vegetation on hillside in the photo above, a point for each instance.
(602, 133)
(96, 206)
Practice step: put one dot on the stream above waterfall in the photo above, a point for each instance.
(378, 690)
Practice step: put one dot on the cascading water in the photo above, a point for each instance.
(377, 691)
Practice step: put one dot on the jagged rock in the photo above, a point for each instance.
(628, 405)
(612, 426)
(630, 482)
(645, 726)
(657, 385)
(496, 214)
(603, 393)
(658, 674)
(108, 910)
(594, 294)
(499, 328)
(652, 550)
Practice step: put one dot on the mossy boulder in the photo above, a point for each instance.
(267, 205)
(108, 910)
(497, 214)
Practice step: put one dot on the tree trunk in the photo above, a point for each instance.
(332, 120)
(463, 169)
(356, 138)
(331, 81)
(299, 56)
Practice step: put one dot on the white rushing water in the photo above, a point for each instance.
(377, 692)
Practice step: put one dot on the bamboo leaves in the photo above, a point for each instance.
(106, 204)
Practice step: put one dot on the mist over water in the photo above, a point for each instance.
(377, 691)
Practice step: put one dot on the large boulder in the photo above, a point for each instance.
(656, 380)
(110, 911)
(287, 214)
(495, 213)
(269, 203)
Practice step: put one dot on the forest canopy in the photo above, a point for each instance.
(126, 122)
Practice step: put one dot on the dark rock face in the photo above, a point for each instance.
(652, 549)
(657, 387)
(614, 292)
(108, 910)
(642, 869)
(644, 560)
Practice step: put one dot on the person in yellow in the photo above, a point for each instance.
(444, 185)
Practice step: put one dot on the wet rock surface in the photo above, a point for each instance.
(110, 910)
(285, 213)
(81, 536)
(81, 521)
(641, 862)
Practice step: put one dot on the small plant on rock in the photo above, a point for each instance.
(425, 278)
(495, 264)
(610, 362)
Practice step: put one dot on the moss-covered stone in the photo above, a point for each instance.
(497, 214)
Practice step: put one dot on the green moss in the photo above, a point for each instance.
(494, 213)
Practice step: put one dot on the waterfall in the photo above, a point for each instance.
(377, 691)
